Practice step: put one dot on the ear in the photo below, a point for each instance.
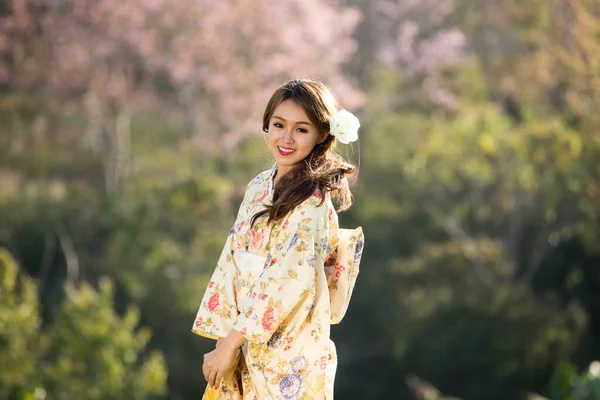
(322, 139)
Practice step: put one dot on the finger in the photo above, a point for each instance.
(212, 378)
(218, 378)
(205, 370)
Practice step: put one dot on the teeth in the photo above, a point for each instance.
(283, 149)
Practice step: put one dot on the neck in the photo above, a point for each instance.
(279, 172)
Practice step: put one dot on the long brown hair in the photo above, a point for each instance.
(322, 170)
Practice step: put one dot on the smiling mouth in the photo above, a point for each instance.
(285, 151)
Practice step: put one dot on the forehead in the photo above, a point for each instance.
(291, 111)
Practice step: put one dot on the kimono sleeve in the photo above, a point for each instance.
(218, 310)
(349, 253)
(288, 280)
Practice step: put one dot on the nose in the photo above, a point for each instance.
(288, 135)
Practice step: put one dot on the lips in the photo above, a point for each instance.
(284, 151)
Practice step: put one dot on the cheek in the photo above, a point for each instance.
(272, 137)
(308, 144)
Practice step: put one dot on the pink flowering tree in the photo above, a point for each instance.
(230, 56)
(416, 37)
(219, 60)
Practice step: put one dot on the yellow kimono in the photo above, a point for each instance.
(270, 284)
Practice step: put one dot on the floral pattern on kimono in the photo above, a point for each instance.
(270, 285)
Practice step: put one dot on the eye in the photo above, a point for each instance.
(302, 130)
(278, 125)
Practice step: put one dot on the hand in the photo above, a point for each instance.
(217, 362)
(329, 271)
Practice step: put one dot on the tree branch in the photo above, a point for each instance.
(71, 257)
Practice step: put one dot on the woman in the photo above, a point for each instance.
(270, 302)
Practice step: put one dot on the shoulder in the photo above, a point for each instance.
(318, 209)
(316, 200)
(258, 183)
(260, 179)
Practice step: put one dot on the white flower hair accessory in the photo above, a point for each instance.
(344, 126)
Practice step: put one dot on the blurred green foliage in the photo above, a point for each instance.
(568, 384)
(87, 352)
(481, 272)
(19, 327)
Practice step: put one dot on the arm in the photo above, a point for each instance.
(345, 271)
(284, 284)
(218, 309)
(342, 265)
(222, 358)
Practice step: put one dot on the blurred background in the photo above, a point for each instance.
(129, 129)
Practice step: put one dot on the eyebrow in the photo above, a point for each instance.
(298, 122)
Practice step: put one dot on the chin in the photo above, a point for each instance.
(287, 163)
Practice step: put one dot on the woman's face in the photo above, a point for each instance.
(292, 136)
